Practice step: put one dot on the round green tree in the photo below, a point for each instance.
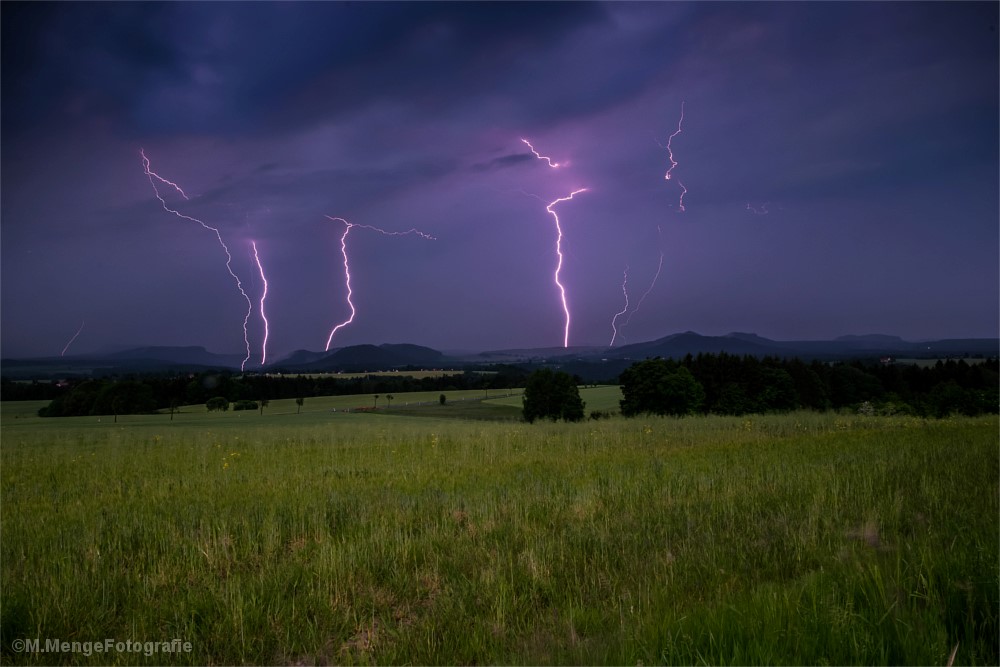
(552, 395)
(660, 387)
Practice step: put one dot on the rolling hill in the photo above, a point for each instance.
(600, 360)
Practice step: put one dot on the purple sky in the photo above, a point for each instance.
(868, 132)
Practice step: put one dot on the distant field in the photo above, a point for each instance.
(313, 409)
(387, 538)
(419, 375)
(596, 398)
(603, 398)
(20, 409)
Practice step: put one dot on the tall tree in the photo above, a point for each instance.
(660, 387)
(551, 395)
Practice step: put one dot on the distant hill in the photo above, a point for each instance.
(300, 357)
(361, 358)
(191, 354)
(844, 347)
(870, 339)
(689, 342)
(609, 363)
(588, 362)
(134, 360)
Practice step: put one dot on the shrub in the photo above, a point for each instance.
(217, 403)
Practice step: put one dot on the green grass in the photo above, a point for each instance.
(390, 538)
(603, 398)
(20, 409)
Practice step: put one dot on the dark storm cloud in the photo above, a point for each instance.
(869, 129)
(503, 162)
(171, 67)
(65, 60)
(434, 57)
(844, 126)
(272, 187)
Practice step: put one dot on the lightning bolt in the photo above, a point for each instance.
(552, 164)
(153, 177)
(652, 284)
(559, 236)
(673, 162)
(646, 293)
(614, 329)
(63, 354)
(347, 280)
(347, 267)
(263, 314)
(559, 263)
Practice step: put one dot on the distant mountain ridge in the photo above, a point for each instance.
(360, 358)
(190, 354)
(689, 342)
(371, 358)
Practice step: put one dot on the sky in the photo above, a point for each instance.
(833, 171)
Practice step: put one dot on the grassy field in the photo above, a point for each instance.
(328, 537)
(602, 398)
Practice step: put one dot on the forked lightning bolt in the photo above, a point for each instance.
(73, 338)
(614, 329)
(347, 267)
(153, 177)
(646, 293)
(347, 280)
(559, 236)
(559, 263)
(652, 284)
(263, 314)
(649, 289)
(673, 162)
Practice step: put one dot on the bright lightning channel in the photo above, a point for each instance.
(559, 235)
(63, 354)
(646, 293)
(673, 162)
(347, 267)
(151, 175)
(614, 329)
(559, 263)
(347, 280)
(552, 164)
(263, 314)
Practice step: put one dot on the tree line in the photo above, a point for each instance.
(740, 385)
(704, 384)
(727, 384)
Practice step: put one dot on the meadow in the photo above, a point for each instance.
(442, 538)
